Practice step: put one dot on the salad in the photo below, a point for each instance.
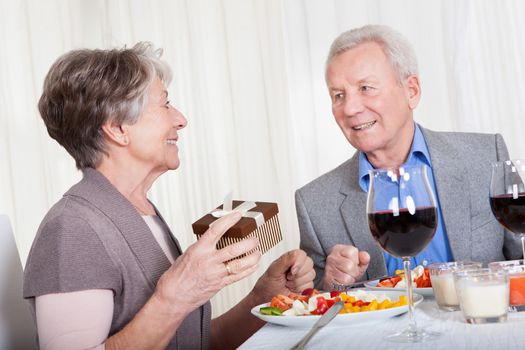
(420, 277)
(313, 302)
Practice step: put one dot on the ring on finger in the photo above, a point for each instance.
(228, 268)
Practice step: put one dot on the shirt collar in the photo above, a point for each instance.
(418, 154)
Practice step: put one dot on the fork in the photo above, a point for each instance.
(344, 287)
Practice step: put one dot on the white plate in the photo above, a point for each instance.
(341, 319)
(423, 291)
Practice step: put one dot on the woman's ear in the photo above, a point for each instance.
(413, 91)
(116, 133)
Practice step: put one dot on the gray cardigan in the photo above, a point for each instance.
(332, 208)
(93, 238)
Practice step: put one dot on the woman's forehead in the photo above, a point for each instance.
(158, 89)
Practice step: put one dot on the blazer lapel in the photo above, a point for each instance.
(452, 190)
(97, 190)
(353, 212)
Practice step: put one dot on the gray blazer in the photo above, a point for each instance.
(332, 208)
(93, 238)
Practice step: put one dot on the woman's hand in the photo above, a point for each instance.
(199, 273)
(292, 272)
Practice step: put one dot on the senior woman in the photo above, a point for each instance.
(104, 269)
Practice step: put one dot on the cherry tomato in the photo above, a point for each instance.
(334, 294)
(310, 291)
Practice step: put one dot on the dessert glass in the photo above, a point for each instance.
(441, 276)
(483, 295)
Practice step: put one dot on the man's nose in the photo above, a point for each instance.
(353, 104)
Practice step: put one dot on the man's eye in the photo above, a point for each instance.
(366, 88)
(167, 105)
(338, 96)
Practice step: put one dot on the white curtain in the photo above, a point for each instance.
(471, 61)
(249, 76)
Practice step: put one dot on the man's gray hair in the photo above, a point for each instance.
(395, 46)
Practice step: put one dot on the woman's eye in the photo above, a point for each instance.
(167, 105)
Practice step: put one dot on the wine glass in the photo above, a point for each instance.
(402, 217)
(507, 196)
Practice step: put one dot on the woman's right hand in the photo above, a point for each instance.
(198, 274)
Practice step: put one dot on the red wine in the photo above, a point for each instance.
(510, 212)
(405, 235)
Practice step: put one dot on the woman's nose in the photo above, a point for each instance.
(180, 120)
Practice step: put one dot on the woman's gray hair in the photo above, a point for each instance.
(85, 89)
(395, 46)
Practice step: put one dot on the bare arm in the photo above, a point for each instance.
(82, 320)
(74, 320)
(232, 328)
(292, 272)
(152, 327)
(191, 281)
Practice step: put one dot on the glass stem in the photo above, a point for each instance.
(523, 245)
(412, 327)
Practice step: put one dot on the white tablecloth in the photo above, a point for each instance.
(455, 333)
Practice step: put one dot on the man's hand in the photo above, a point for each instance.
(292, 272)
(344, 265)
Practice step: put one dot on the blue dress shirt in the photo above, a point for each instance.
(439, 248)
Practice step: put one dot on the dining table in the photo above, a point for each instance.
(455, 333)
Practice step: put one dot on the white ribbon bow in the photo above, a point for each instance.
(243, 208)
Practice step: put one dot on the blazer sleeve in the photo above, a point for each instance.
(69, 256)
(309, 241)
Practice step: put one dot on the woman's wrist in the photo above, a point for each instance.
(170, 306)
(152, 327)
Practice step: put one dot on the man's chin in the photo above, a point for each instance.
(363, 140)
(366, 146)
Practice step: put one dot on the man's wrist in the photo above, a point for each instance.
(327, 283)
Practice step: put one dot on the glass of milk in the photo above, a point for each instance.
(443, 282)
(483, 295)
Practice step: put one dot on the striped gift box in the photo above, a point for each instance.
(268, 232)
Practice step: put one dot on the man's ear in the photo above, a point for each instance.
(116, 133)
(413, 91)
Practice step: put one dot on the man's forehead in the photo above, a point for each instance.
(359, 63)
(361, 53)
